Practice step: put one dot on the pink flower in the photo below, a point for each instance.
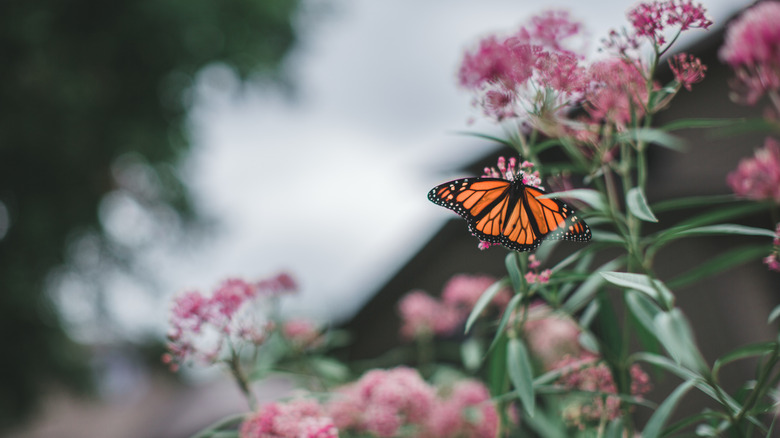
(383, 401)
(649, 20)
(617, 92)
(201, 326)
(759, 177)
(551, 336)
(462, 292)
(423, 315)
(752, 49)
(687, 69)
(541, 278)
(301, 333)
(300, 418)
(280, 284)
(587, 373)
(468, 412)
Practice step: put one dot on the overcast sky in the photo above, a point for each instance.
(332, 184)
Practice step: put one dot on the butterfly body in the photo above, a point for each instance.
(510, 213)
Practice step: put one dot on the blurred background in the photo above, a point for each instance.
(153, 146)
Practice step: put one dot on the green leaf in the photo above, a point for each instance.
(751, 350)
(700, 123)
(471, 353)
(589, 287)
(726, 229)
(497, 360)
(643, 308)
(589, 196)
(774, 314)
(637, 204)
(512, 264)
(483, 301)
(709, 217)
(520, 373)
(719, 264)
(674, 333)
(606, 324)
(330, 369)
(752, 126)
(615, 428)
(510, 308)
(607, 237)
(692, 202)
(656, 422)
(655, 289)
(216, 426)
(651, 135)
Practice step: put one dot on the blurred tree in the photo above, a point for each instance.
(83, 83)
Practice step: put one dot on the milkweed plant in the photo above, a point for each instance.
(554, 349)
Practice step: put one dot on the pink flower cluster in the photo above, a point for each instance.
(533, 60)
(772, 260)
(423, 315)
(533, 275)
(759, 177)
(301, 418)
(551, 336)
(535, 74)
(587, 373)
(383, 402)
(752, 49)
(302, 333)
(201, 326)
(651, 20)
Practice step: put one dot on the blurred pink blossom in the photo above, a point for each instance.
(752, 49)
(618, 92)
(201, 326)
(468, 412)
(759, 177)
(423, 315)
(462, 292)
(301, 418)
(587, 373)
(302, 333)
(551, 336)
(382, 401)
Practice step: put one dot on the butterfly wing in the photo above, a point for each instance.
(554, 219)
(509, 212)
(483, 202)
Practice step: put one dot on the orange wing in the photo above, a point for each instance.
(509, 212)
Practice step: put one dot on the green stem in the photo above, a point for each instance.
(243, 383)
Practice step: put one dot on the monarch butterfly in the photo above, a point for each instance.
(510, 213)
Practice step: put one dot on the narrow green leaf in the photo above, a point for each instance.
(512, 264)
(727, 229)
(607, 237)
(719, 264)
(692, 202)
(510, 308)
(774, 314)
(547, 425)
(656, 136)
(497, 378)
(520, 373)
(674, 333)
(709, 217)
(606, 324)
(656, 422)
(615, 428)
(747, 351)
(216, 426)
(637, 204)
(590, 312)
(589, 287)
(330, 369)
(699, 123)
(483, 301)
(643, 308)
(655, 289)
(748, 125)
(589, 196)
